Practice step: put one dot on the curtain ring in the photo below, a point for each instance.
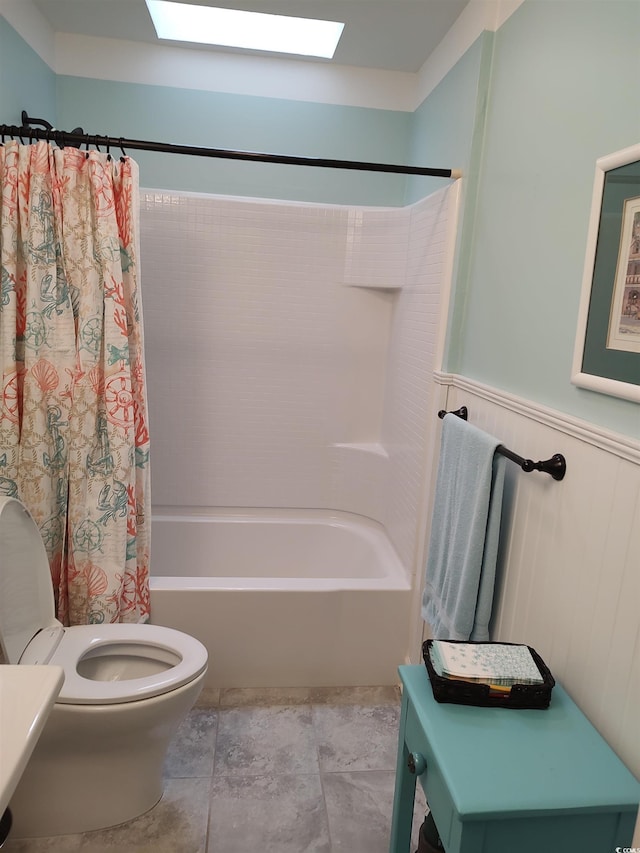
(108, 147)
(124, 153)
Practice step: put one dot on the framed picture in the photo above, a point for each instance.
(607, 349)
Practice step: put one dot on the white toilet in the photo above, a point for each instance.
(126, 689)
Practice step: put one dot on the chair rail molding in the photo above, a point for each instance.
(626, 447)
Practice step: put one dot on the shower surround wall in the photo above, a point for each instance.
(290, 349)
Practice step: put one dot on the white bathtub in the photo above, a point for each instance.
(301, 598)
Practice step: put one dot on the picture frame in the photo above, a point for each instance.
(606, 356)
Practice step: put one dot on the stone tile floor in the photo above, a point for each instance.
(268, 771)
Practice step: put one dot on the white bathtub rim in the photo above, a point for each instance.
(334, 517)
(281, 585)
(396, 582)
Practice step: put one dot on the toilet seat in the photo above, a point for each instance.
(30, 633)
(153, 642)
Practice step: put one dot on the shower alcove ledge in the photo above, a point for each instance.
(373, 447)
(371, 285)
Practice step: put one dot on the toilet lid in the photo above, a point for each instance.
(26, 590)
(144, 641)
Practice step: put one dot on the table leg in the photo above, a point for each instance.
(404, 796)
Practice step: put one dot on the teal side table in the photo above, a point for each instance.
(499, 780)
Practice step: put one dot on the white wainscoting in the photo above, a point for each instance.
(569, 575)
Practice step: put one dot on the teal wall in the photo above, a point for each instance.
(240, 122)
(218, 120)
(562, 87)
(447, 127)
(26, 82)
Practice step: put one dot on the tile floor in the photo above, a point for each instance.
(268, 771)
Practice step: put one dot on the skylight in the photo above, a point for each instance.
(249, 30)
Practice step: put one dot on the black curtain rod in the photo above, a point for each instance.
(556, 466)
(77, 138)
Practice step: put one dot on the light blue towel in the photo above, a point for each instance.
(465, 528)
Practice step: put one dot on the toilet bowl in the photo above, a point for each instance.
(127, 687)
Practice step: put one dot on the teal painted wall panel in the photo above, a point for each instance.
(561, 96)
(442, 128)
(26, 82)
(450, 125)
(247, 123)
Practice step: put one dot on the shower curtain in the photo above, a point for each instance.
(74, 443)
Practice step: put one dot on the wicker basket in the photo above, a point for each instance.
(471, 693)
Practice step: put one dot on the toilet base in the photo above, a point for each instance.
(97, 766)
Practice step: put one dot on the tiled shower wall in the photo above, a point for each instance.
(289, 352)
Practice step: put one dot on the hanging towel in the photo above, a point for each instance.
(465, 527)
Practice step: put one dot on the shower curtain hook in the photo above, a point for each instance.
(124, 153)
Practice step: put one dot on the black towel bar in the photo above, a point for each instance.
(556, 466)
(462, 412)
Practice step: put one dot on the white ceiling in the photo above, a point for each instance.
(395, 35)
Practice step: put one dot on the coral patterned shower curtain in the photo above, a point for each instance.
(74, 445)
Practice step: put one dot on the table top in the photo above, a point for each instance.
(27, 694)
(503, 761)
